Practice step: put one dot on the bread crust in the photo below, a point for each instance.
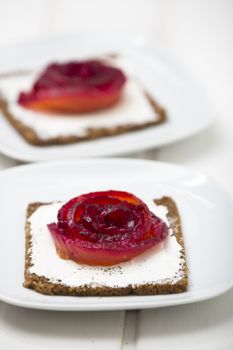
(43, 285)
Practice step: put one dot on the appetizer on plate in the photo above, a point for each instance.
(78, 100)
(105, 243)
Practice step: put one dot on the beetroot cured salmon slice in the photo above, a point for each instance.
(75, 87)
(105, 228)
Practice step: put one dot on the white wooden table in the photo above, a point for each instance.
(200, 34)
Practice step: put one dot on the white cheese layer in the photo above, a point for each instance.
(133, 108)
(158, 265)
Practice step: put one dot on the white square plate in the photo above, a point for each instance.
(187, 109)
(205, 209)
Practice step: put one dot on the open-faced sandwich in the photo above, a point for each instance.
(105, 243)
(76, 101)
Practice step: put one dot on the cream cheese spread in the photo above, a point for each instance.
(158, 265)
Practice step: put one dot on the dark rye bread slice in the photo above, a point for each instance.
(33, 138)
(43, 285)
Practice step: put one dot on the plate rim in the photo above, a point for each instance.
(135, 305)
